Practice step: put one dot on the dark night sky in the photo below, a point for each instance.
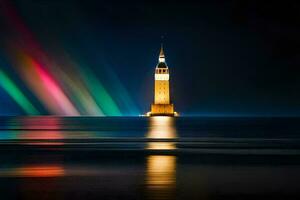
(225, 57)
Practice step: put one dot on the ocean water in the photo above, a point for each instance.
(149, 158)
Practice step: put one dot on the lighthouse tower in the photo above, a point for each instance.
(162, 103)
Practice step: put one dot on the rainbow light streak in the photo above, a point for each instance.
(85, 102)
(30, 76)
(122, 93)
(52, 87)
(75, 87)
(100, 94)
(44, 86)
(36, 75)
(8, 85)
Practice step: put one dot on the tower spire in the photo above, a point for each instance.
(161, 54)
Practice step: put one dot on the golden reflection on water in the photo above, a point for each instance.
(161, 169)
(161, 128)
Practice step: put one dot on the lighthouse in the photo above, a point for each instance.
(162, 105)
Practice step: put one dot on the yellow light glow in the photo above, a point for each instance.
(161, 127)
(161, 171)
(161, 59)
(162, 77)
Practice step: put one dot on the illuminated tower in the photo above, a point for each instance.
(162, 104)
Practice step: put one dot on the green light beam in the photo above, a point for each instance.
(7, 84)
(102, 97)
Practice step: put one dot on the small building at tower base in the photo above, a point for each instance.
(162, 110)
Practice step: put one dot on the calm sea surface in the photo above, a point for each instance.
(149, 158)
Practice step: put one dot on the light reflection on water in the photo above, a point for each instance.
(42, 131)
(159, 173)
(55, 134)
(161, 128)
(40, 171)
(161, 176)
(86, 162)
(161, 169)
